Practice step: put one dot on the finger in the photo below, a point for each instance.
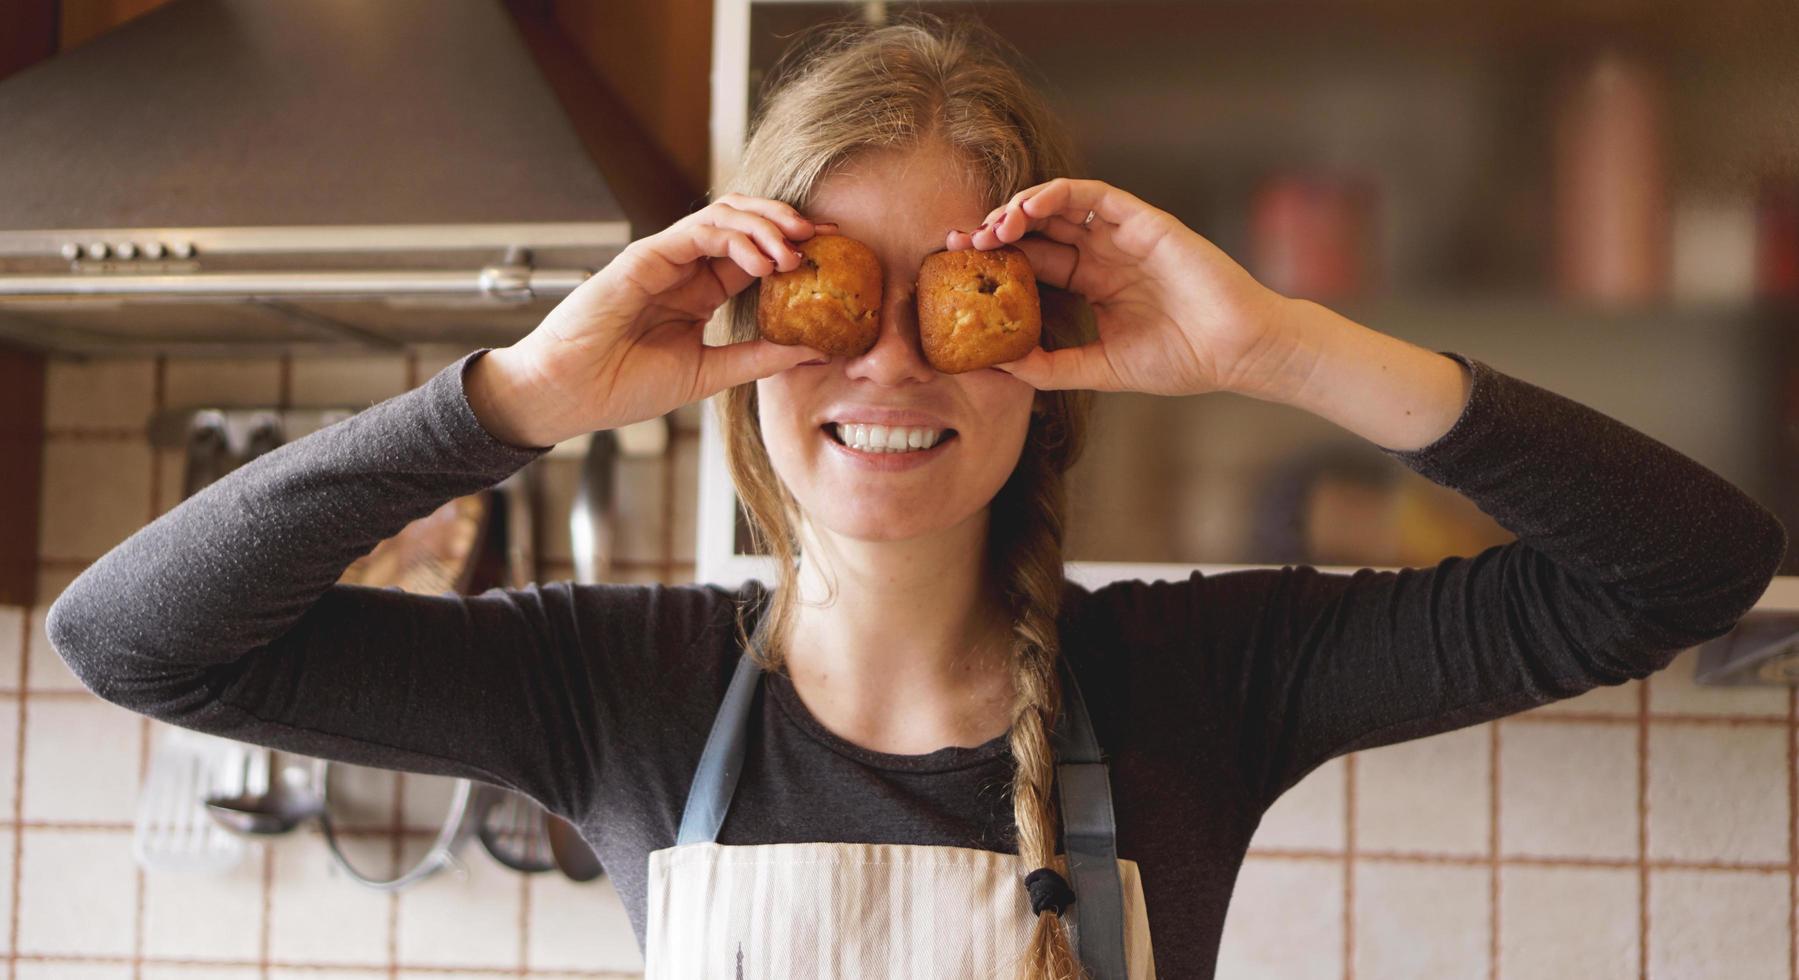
(1069, 232)
(665, 260)
(731, 276)
(738, 247)
(764, 232)
(1071, 367)
(1052, 262)
(1072, 198)
(785, 216)
(735, 280)
(729, 365)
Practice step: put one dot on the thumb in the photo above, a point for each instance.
(1069, 367)
(729, 365)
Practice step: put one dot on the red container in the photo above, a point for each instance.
(1777, 239)
(1610, 182)
(1314, 236)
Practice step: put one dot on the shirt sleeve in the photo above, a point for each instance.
(224, 615)
(1627, 553)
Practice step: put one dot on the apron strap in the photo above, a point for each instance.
(1085, 791)
(721, 762)
(1089, 835)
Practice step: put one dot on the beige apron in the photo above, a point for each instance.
(829, 910)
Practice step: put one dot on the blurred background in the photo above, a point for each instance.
(1596, 197)
(1600, 197)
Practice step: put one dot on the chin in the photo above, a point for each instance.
(866, 514)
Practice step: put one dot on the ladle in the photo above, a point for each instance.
(284, 806)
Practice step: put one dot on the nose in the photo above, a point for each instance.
(896, 357)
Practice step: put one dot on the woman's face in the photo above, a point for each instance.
(900, 204)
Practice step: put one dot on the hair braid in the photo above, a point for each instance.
(1025, 550)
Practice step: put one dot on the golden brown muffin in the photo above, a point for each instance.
(977, 308)
(831, 302)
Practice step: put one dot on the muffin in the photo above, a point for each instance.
(830, 302)
(977, 308)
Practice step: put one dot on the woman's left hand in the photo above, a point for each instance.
(1176, 315)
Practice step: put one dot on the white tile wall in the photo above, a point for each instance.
(1636, 831)
(1568, 791)
(85, 910)
(1398, 903)
(1570, 922)
(1702, 922)
(1429, 795)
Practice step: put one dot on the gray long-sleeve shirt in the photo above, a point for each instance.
(1212, 694)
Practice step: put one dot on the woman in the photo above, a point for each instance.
(915, 643)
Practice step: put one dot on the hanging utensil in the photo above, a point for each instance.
(265, 434)
(435, 554)
(573, 855)
(592, 517)
(207, 452)
(519, 492)
(458, 826)
(171, 830)
(512, 828)
(262, 808)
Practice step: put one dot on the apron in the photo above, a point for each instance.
(780, 911)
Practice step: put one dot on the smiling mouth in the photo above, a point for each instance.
(882, 439)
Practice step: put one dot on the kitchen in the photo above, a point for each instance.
(1601, 201)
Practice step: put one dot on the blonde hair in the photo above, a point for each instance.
(924, 81)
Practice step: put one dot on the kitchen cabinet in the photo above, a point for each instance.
(1474, 131)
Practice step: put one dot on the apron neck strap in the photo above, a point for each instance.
(1084, 794)
(1089, 835)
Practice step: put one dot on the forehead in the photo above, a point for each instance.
(900, 203)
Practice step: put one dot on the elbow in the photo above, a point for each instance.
(1713, 610)
(1754, 572)
(79, 637)
(104, 659)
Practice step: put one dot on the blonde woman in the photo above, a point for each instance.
(896, 699)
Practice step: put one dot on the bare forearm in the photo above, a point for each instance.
(1389, 391)
(510, 405)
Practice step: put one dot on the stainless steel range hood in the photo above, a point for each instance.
(224, 174)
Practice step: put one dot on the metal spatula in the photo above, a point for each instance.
(172, 830)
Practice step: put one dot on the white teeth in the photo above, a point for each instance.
(885, 438)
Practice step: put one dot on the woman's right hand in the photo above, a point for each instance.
(626, 345)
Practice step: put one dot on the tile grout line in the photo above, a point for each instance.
(265, 929)
(1349, 788)
(309, 965)
(396, 850)
(159, 397)
(1643, 830)
(18, 800)
(284, 397)
(524, 923)
(1493, 862)
(1365, 855)
(137, 919)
